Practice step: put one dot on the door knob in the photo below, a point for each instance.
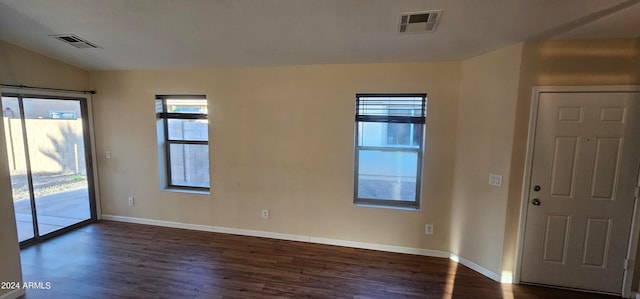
(537, 188)
(536, 202)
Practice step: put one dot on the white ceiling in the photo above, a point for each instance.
(152, 34)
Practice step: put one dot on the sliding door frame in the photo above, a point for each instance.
(90, 155)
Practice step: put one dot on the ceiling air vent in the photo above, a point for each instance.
(419, 22)
(76, 41)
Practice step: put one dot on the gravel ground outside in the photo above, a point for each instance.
(385, 189)
(44, 184)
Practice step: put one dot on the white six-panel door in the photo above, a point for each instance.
(583, 177)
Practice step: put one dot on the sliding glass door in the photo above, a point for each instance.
(49, 154)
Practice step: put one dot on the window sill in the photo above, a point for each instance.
(190, 191)
(381, 206)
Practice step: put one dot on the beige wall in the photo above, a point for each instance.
(19, 66)
(281, 139)
(557, 63)
(486, 115)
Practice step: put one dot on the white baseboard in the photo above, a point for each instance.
(207, 228)
(380, 247)
(272, 235)
(13, 294)
(475, 267)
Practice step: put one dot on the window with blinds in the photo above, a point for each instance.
(389, 149)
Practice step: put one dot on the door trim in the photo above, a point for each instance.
(533, 120)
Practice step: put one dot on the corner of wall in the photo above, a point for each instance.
(486, 118)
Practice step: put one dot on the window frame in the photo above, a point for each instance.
(414, 204)
(164, 116)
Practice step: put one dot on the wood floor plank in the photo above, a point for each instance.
(122, 260)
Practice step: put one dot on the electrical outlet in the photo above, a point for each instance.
(131, 201)
(265, 214)
(428, 229)
(495, 180)
(108, 154)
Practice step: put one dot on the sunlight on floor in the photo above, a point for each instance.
(506, 284)
(447, 292)
(507, 291)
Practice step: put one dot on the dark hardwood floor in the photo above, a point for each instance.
(122, 260)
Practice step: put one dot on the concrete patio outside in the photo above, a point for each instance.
(54, 211)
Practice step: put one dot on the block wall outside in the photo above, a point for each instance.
(189, 163)
(56, 146)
